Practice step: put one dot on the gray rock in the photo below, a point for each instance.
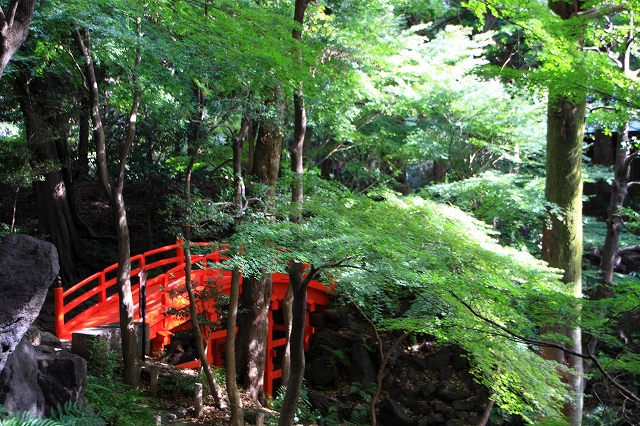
(421, 408)
(28, 266)
(445, 374)
(320, 374)
(39, 379)
(459, 359)
(450, 391)
(317, 320)
(436, 419)
(62, 376)
(439, 360)
(464, 405)
(322, 402)
(427, 390)
(48, 339)
(419, 364)
(361, 368)
(19, 390)
(393, 414)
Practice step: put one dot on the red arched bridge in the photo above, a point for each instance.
(94, 302)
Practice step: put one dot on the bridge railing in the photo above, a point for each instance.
(96, 293)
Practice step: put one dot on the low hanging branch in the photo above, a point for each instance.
(512, 335)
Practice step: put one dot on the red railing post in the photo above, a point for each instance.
(268, 368)
(180, 250)
(102, 296)
(58, 293)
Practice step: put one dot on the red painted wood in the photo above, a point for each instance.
(93, 301)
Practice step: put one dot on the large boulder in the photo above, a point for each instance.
(41, 378)
(19, 390)
(28, 266)
(62, 376)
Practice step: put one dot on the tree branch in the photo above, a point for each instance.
(624, 391)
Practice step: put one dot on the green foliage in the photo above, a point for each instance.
(179, 383)
(602, 416)
(385, 252)
(117, 403)
(103, 360)
(71, 414)
(76, 414)
(363, 390)
(304, 414)
(513, 205)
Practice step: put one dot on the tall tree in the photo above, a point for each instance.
(297, 290)
(194, 146)
(114, 188)
(46, 123)
(255, 300)
(14, 28)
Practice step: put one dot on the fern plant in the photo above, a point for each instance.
(69, 414)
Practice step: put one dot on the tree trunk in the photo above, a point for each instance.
(296, 342)
(237, 415)
(619, 186)
(253, 324)
(197, 332)
(252, 342)
(562, 240)
(267, 155)
(46, 138)
(82, 169)
(130, 350)
(14, 28)
(114, 190)
(297, 285)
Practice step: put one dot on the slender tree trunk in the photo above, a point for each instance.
(193, 304)
(294, 384)
(619, 186)
(114, 190)
(14, 28)
(82, 170)
(197, 332)
(298, 284)
(237, 415)
(562, 240)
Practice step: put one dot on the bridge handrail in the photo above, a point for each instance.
(103, 283)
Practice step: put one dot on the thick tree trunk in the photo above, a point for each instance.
(562, 240)
(14, 28)
(47, 143)
(252, 342)
(267, 155)
(253, 324)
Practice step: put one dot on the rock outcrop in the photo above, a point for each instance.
(424, 385)
(28, 266)
(33, 379)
